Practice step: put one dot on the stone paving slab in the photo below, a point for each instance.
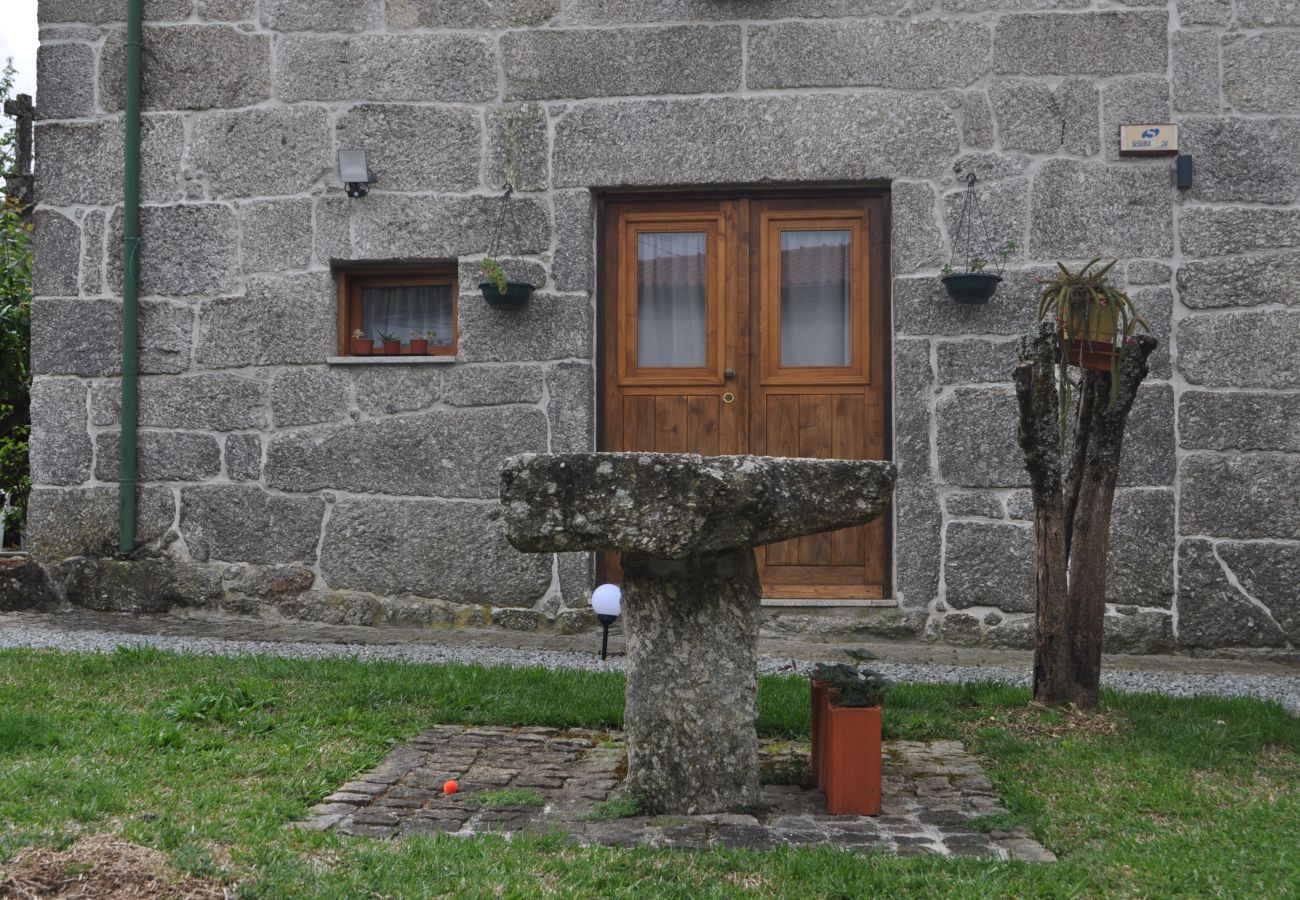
(932, 792)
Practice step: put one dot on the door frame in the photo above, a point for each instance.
(876, 197)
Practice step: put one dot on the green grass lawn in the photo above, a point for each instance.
(208, 758)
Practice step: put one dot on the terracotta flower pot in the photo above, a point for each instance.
(1091, 355)
(419, 345)
(392, 348)
(363, 347)
(852, 760)
(821, 693)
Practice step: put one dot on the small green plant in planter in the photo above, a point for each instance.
(854, 686)
(500, 292)
(1094, 320)
(392, 343)
(419, 343)
(976, 284)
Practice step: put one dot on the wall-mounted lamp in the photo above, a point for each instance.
(355, 174)
(605, 600)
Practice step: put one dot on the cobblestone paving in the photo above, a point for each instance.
(932, 791)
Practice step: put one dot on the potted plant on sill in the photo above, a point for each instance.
(1093, 319)
(392, 343)
(419, 342)
(499, 292)
(976, 284)
(362, 345)
(846, 749)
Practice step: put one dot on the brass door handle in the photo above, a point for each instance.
(728, 373)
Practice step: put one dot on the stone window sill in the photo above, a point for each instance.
(407, 360)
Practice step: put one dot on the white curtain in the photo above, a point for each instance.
(399, 311)
(816, 312)
(671, 299)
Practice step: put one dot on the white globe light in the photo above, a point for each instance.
(605, 600)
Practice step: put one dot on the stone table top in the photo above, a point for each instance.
(680, 505)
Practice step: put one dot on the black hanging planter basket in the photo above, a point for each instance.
(971, 287)
(515, 295)
(980, 272)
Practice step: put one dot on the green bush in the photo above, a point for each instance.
(15, 336)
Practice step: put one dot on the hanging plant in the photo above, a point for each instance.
(1094, 320)
(969, 280)
(498, 291)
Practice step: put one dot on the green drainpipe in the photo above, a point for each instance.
(130, 279)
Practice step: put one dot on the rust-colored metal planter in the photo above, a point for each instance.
(851, 760)
(821, 699)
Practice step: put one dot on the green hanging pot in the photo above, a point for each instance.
(515, 295)
(971, 287)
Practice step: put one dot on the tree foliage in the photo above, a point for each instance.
(15, 332)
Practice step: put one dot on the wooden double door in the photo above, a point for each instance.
(753, 325)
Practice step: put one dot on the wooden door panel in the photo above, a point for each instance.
(671, 423)
(820, 426)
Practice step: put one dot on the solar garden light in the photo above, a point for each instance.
(605, 601)
(355, 174)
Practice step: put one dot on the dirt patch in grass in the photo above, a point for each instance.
(1040, 720)
(101, 867)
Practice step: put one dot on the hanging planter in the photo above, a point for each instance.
(498, 291)
(971, 287)
(508, 295)
(969, 280)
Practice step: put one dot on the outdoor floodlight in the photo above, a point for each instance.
(354, 173)
(605, 601)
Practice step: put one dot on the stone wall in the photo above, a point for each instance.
(365, 493)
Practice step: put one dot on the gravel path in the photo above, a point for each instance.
(1283, 689)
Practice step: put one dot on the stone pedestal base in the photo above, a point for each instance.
(691, 628)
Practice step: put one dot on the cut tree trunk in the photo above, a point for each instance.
(1072, 510)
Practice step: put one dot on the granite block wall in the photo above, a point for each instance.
(365, 494)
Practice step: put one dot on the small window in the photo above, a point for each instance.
(404, 304)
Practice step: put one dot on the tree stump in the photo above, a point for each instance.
(1072, 510)
(685, 527)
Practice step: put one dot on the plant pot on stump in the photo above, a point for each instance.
(515, 296)
(1093, 346)
(852, 760)
(971, 287)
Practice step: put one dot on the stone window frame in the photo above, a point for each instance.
(353, 277)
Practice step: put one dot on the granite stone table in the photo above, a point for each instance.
(685, 528)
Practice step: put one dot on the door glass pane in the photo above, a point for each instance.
(816, 311)
(670, 309)
(418, 310)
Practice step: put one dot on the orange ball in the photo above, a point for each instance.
(450, 787)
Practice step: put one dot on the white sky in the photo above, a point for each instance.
(18, 39)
